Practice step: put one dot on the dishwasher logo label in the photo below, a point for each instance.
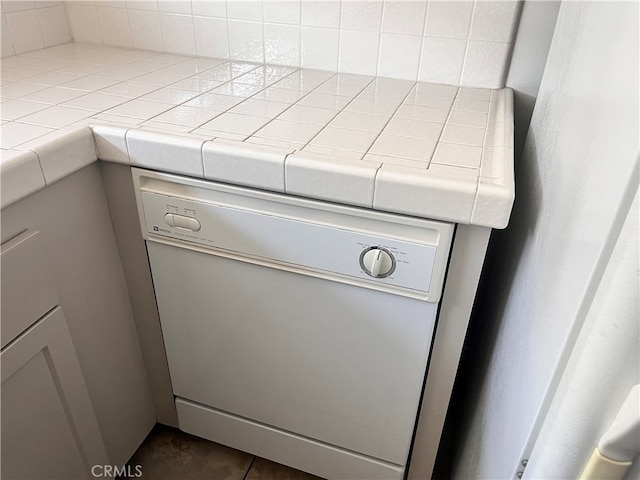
(158, 229)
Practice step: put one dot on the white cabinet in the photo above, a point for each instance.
(49, 428)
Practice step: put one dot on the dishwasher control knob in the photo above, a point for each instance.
(377, 262)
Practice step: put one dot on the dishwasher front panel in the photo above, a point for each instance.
(324, 360)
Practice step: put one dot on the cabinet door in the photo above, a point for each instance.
(49, 428)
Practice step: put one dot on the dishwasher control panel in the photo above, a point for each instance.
(304, 236)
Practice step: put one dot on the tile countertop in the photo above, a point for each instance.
(429, 150)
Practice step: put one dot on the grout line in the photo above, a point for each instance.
(249, 469)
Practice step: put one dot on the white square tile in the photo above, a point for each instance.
(447, 19)
(332, 152)
(282, 11)
(14, 109)
(474, 94)
(54, 95)
(214, 101)
(360, 121)
(356, 140)
(19, 73)
(260, 108)
(427, 100)
(320, 48)
(321, 13)
(54, 25)
(14, 134)
(141, 109)
(160, 151)
(251, 165)
(468, 105)
(245, 10)
(382, 91)
(196, 84)
(26, 34)
(161, 127)
(177, 33)
(468, 119)
(338, 180)
(419, 149)
(372, 107)
(463, 135)
(20, 176)
(208, 8)
(118, 73)
(416, 191)
(95, 102)
(56, 117)
(458, 155)
(236, 123)
(406, 17)
(495, 21)
(246, 40)
(175, 6)
(145, 29)
(332, 87)
(64, 152)
(387, 160)
(155, 78)
(442, 60)
(174, 96)
(84, 23)
(324, 100)
(151, 5)
(111, 144)
(5, 41)
(358, 52)
(217, 134)
(353, 79)
(89, 83)
(363, 15)
(270, 142)
(283, 95)
(53, 78)
(485, 64)
(129, 89)
(114, 26)
(282, 44)
(18, 6)
(289, 131)
(390, 64)
(500, 134)
(17, 90)
(211, 36)
(308, 114)
(237, 89)
(426, 114)
(188, 116)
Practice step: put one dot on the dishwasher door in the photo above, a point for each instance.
(258, 333)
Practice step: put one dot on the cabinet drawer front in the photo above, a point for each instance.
(28, 292)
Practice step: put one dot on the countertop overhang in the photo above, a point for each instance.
(429, 150)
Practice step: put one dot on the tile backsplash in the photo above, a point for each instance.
(456, 42)
(31, 25)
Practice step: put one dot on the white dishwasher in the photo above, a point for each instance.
(296, 330)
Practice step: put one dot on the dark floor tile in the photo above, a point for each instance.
(265, 470)
(169, 454)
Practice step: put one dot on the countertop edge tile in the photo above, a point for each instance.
(343, 181)
(250, 165)
(64, 152)
(20, 176)
(111, 143)
(166, 152)
(419, 192)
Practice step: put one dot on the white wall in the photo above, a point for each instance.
(31, 25)
(456, 42)
(577, 172)
(603, 367)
